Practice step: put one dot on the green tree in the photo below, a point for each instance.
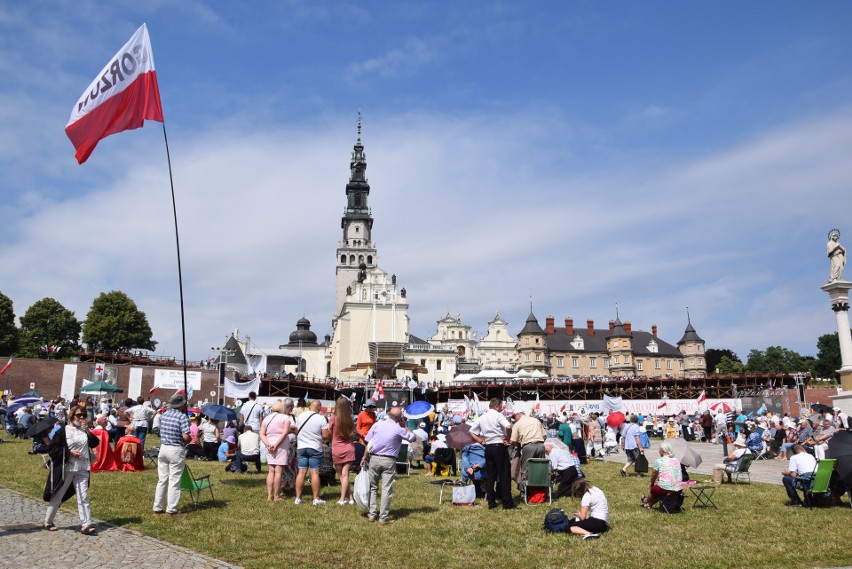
(828, 356)
(728, 366)
(713, 356)
(48, 323)
(9, 335)
(776, 359)
(115, 323)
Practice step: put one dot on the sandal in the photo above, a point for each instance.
(50, 527)
(88, 530)
(646, 506)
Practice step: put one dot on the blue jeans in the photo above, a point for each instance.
(141, 433)
(790, 487)
(309, 458)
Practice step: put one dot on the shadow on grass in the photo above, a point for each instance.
(405, 512)
(244, 481)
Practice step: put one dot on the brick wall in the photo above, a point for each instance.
(47, 377)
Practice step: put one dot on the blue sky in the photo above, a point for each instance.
(656, 154)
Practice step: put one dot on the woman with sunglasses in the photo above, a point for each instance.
(69, 474)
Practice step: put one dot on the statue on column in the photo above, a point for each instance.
(836, 256)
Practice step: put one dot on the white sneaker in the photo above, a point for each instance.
(351, 502)
(341, 502)
(297, 501)
(591, 536)
(318, 502)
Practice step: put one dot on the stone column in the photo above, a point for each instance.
(838, 292)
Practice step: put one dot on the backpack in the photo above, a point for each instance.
(556, 521)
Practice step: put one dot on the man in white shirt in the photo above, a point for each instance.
(251, 413)
(248, 449)
(564, 468)
(140, 414)
(721, 422)
(312, 431)
(802, 465)
(493, 430)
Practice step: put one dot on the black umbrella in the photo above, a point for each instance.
(42, 426)
(820, 408)
(840, 447)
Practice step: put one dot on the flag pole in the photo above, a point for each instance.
(180, 274)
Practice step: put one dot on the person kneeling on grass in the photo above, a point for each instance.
(593, 517)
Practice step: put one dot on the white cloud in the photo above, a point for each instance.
(403, 60)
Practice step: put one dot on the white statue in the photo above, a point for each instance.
(836, 256)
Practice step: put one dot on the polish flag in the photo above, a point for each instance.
(702, 398)
(153, 390)
(6, 367)
(661, 405)
(122, 97)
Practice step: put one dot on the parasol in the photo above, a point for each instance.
(687, 455)
(418, 410)
(557, 442)
(101, 386)
(820, 408)
(721, 407)
(219, 412)
(459, 437)
(42, 426)
(840, 447)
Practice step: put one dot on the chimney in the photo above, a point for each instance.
(590, 327)
(569, 326)
(654, 330)
(611, 325)
(549, 324)
(627, 328)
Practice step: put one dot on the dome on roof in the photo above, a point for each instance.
(303, 335)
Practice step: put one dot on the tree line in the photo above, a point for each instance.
(776, 359)
(49, 330)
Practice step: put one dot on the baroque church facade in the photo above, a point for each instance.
(371, 329)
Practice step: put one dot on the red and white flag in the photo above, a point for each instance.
(6, 367)
(702, 398)
(122, 97)
(661, 405)
(154, 390)
(379, 393)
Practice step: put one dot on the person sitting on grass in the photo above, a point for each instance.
(593, 518)
(666, 476)
(227, 449)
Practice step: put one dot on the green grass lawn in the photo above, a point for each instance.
(752, 527)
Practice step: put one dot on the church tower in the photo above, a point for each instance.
(356, 252)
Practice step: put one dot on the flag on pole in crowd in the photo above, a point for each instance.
(180, 392)
(122, 97)
(467, 404)
(762, 409)
(6, 367)
(476, 403)
(563, 407)
(379, 393)
(537, 401)
(153, 390)
(702, 398)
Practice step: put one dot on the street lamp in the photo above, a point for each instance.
(223, 368)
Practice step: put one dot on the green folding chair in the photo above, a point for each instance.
(402, 459)
(742, 468)
(820, 480)
(195, 485)
(537, 476)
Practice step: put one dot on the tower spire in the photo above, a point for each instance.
(359, 127)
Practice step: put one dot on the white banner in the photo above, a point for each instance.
(240, 390)
(134, 387)
(582, 407)
(69, 382)
(173, 379)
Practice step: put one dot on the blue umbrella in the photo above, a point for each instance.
(418, 410)
(219, 412)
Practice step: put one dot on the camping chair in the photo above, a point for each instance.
(742, 468)
(151, 455)
(818, 483)
(537, 476)
(445, 457)
(402, 459)
(672, 503)
(195, 485)
(762, 453)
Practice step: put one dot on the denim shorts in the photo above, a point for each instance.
(309, 458)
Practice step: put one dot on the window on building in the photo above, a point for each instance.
(681, 365)
(640, 365)
(526, 341)
(627, 359)
(343, 259)
(438, 365)
(369, 259)
(559, 362)
(575, 363)
(700, 362)
(616, 359)
(668, 365)
(691, 363)
(700, 348)
(656, 364)
(606, 363)
(528, 357)
(538, 357)
(615, 343)
(537, 341)
(422, 363)
(593, 363)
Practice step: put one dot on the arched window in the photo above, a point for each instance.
(369, 259)
(351, 259)
(343, 259)
(360, 259)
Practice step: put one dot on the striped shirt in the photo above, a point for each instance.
(173, 425)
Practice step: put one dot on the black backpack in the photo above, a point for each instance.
(556, 521)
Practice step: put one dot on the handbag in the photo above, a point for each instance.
(640, 466)
(464, 495)
(361, 489)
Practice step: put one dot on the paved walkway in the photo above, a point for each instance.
(24, 541)
(768, 471)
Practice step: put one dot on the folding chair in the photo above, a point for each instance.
(742, 468)
(151, 455)
(445, 457)
(195, 485)
(762, 453)
(537, 476)
(818, 483)
(672, 503)
(402, 459)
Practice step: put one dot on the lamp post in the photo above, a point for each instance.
(223, 369)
